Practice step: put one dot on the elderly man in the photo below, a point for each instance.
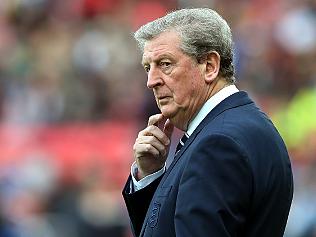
(231, 174)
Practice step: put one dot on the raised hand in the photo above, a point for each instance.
(152, 145)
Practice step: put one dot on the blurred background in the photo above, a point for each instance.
(73, 97)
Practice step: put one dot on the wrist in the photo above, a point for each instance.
(140, 174)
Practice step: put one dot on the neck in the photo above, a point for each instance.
(218, 84)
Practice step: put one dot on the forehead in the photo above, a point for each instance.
(165, 43)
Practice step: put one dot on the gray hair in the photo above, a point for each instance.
(202, 30)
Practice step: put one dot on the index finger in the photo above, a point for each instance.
(155, 119)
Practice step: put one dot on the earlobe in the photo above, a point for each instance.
(212, 66)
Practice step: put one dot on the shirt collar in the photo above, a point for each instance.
(209, 105)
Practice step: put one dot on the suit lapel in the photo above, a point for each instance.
(144, 224)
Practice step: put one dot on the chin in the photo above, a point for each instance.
(175, 117)
(167, 112)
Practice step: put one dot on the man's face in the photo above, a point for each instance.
(176, 79)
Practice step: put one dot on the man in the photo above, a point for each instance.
(231, 175)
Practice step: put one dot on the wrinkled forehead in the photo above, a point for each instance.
(166, 42)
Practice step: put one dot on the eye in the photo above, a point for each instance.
(164, 64)
(147, 67)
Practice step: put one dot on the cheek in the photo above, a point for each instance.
(185, 84)
(185, 90)
(197, 81)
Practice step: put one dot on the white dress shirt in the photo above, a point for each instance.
(206, 108)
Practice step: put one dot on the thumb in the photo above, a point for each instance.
(168, 128)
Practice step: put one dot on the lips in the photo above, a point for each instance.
(162, 97)
(163, 100)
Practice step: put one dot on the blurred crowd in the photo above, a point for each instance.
(71, 80)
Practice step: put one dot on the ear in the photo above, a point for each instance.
(212, 64)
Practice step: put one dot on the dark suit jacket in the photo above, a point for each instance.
(232, 178)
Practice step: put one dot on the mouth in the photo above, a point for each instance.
(163, 99)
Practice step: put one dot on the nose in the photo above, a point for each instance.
(154, 78)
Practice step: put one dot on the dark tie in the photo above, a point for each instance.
(183, 139)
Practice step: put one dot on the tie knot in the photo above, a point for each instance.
(182, 141)
(184, 138)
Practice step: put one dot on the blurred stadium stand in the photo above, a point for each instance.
(72, 98)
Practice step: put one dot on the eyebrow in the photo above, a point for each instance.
(160, 57)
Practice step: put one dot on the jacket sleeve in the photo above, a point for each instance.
(138, 202)
(215, 190)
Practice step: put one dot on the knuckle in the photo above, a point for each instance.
(137, 141)
(135, 146)
(148, 147)
(141, 133)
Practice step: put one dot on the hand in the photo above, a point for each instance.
(152, 145)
